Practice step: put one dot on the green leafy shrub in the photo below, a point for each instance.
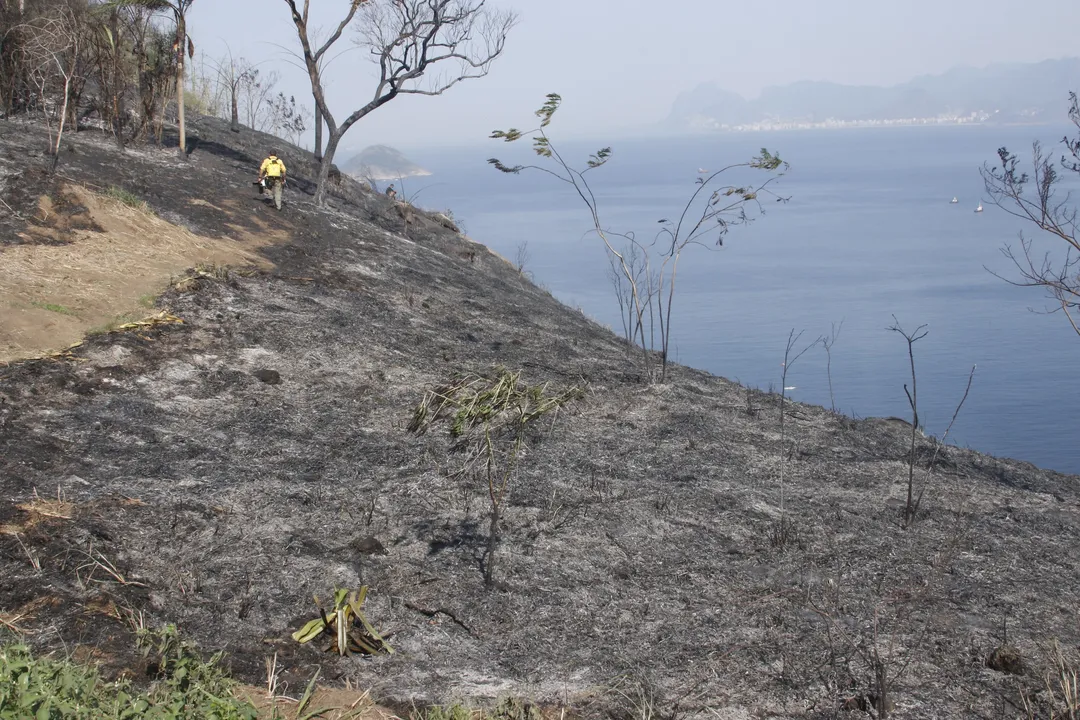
(186, 687)
(189, 687)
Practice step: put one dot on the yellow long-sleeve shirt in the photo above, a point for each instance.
(272, 167)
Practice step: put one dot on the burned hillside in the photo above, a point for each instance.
(218, 466)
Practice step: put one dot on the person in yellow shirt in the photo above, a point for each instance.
(272, 176)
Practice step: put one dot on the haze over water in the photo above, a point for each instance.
(868, 233)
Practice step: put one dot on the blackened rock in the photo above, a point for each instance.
(1006, 659)
(369, 545)
(270, 377)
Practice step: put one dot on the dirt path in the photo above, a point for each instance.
(90, 261)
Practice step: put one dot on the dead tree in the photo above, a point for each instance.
(51, 49)
(911, 507)
(255, 93)
(322, 62)
(406, 39)
(1040, 200)
(232, 72)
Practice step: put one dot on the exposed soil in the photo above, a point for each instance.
(336, 704)
(98, 260)
(229, 467)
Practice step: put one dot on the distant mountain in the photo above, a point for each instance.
(1036, 92)
(381, 162)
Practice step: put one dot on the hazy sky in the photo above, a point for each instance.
(621, 63)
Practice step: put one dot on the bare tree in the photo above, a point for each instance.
(911, 507)
(827, 344)
(523, 258)
(205, 93)
(637, 261)
(323, 61)
(406, 39)
(313, 55)
(784, 529)
(1039, 199)
(51, 53)
(232, 73)
(709, 213)
(18, 93)
(286, 118)
(255, 92)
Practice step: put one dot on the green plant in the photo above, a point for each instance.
(509, 708)
(491, 418)
(31, 688)
(512, 708)
(346, 625)
(187, 688)
(445, 712)
(127, 198)
(710, 212)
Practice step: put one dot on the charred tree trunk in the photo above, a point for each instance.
(235, 108)
(117, 80)
(181, 50)
(492, 545)
(325, 163)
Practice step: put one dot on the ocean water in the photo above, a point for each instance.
(868, 234)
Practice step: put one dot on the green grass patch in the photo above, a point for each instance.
(185, 686)
(52, 307)
(127, 198)
(108, 327)
(445, 712)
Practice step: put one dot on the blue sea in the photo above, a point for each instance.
(867, 234)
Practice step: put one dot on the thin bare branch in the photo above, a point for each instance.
(1040, 199)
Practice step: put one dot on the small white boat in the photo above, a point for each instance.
(979, 209)
(954, 201)
(702, 171)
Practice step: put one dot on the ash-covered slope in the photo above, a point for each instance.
(231, 466)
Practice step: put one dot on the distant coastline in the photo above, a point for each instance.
(1015, 94)
(856, 124)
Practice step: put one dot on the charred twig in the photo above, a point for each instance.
(432, 612)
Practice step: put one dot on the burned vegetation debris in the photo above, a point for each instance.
(219, 472)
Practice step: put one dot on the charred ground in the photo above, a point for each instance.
(230, 466)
